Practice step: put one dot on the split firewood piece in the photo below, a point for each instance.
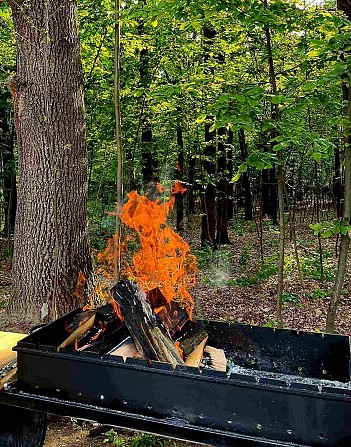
(151, 342)
(126, 349)
(80, 319)
(194, 359)
(191, 342)
(79, 332)
(217, 358)
(172, 315)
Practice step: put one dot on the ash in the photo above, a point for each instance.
(320, 383)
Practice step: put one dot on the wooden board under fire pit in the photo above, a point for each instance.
(7, 341)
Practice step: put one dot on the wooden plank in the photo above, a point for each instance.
(7, 341)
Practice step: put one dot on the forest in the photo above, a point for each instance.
(239, 112)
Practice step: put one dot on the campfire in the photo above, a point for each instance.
(153, 307)
(142, 360)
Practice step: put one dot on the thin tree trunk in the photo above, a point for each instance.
(191, 188)
(230, 198)
(51, 238)
(245, 176)
(117, 82)
(276, 117)
(208, 194)
(222, 190)
(179, 177)
(345, 6)
(149, 161)
(337, 186)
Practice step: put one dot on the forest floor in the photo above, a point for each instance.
(234, 284)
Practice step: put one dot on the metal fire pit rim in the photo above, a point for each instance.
(248, 381)
(36, 402)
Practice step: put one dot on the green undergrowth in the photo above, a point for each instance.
(267, 268)
(140, 440)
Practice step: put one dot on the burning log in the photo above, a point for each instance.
(193, 340)
(173, 316)
(150, 340)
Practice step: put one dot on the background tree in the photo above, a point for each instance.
(51, 240)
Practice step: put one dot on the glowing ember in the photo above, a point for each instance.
(164, 259)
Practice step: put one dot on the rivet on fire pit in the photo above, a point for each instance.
(321, 436)
(58, 390)
(124, 402)
(79, 393)
(201, 416)
(175, 410)
(325, 371)
(258, 426)
(148, 406)
(102, 397)
(289, 432)
(229, 421)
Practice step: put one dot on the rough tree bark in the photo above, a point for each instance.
(345, 6)
(51, 240)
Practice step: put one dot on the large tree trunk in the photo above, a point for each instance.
(51, 240)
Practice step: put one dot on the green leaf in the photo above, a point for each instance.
(327, 234)
(196, 26)
(236, 177)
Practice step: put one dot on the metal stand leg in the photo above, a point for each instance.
(21, 428)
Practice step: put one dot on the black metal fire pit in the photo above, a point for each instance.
(283, 388)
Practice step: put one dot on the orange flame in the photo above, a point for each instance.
(164, 259)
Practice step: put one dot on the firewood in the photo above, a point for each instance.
(150, 340)
(217, 358)
(192, 341)
(78, 333)
(80, 319)
(172, 315)
(126, 349)
(194, 359)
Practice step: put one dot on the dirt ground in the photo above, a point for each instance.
(219, 296)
